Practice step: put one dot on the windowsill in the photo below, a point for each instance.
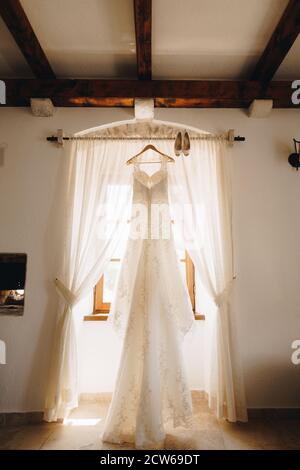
(96, 317)
(199, 316)
(104, 317)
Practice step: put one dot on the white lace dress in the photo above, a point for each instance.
(152, 311)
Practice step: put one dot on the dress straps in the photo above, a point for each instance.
(136, 167)
(163, 165)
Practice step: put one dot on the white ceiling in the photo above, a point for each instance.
(85, 38)
(220, 39)
(290, 67)
(211, 38)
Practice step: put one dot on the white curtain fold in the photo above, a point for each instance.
(201, 184)
(97, 195)
(201, 203)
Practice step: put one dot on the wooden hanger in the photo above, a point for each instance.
(150, 147)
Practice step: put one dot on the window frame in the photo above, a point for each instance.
(101, 309)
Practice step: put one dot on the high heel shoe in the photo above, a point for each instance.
(186, 146)
(178, 144)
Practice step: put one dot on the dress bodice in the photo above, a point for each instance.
(150, 188)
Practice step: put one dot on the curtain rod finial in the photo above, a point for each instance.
(231, 137)
(60, 137)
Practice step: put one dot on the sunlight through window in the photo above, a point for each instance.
(81, 422)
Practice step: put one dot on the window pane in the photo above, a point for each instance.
(179, 243)
(183, 269)
(180, 254)
(120, 249)
(110, 277)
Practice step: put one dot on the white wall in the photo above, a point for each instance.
(267, 253)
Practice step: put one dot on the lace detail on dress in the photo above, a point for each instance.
(152, 312)
(150, 181)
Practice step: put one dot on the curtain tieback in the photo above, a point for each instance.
(223, 295)
(66, 293)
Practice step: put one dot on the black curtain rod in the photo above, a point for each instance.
(54, 138)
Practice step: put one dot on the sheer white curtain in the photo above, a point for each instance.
(200, 195)
(95, 207)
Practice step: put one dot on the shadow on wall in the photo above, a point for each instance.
(46, 334)
(273, 385)
(282, 151)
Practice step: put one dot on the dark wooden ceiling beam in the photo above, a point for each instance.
(279, 44)
(166, 93)
(142, 19)
(18, 24)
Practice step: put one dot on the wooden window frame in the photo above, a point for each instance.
(101, 309)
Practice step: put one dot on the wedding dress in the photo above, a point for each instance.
(152, 312)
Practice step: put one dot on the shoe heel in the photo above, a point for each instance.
(186, 147)
(178, 144)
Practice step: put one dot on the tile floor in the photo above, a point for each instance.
(84, 428)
